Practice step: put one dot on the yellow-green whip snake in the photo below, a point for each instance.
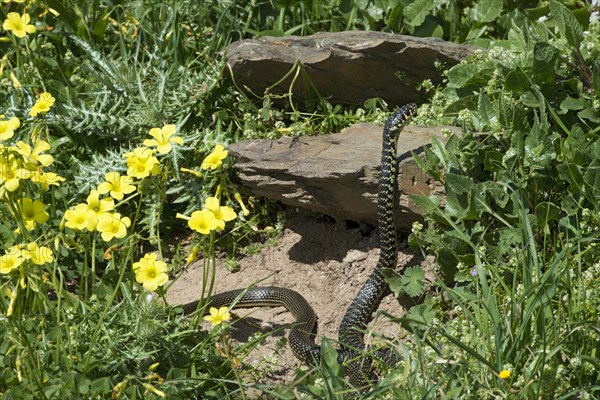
(301, 336)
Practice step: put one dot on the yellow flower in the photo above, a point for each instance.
(98, 207)
(45, 179)
(222, 213)
(141, 163)
(112, 226)
(193, 256)
(151, 388)
(504, 374)
(11, 171)
(80, 218)
(117, 185)
(191, 171)
(33, 212)
(15, 81)
(19, 250)
(39, 255)
(12, 294)
(18, 24)
(42, 105)
(7, 128)
(216, 317)
(35, 157)
(201, 221)
(9, 262)
(238, 198)
(162, 138)
(150, 272)
(215, 158)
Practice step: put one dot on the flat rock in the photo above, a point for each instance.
(337, 174)
(345, 67)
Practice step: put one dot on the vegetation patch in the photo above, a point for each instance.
(114, 174)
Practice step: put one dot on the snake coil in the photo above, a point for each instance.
(301, 336)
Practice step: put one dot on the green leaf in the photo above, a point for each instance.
(467, 102)
(516, 80)
(393, 280)
(439, 149)
(596, 77)
(485, 116)
(412, 281)
(589, 114)
(571, 103)
(429, 28)
(329, 357)
(546, 212)
(459, 183)
(592, 178)
(571, 173)
(422, 312)
(486, 10)
(416, 12)
(569, 205)
(497, 192)
(457, 205)
(427, 204)
(529, 99)
(465, 74)
(567, 24)
(493, 161)
(394, 20)
(544, 60)
(539, 151)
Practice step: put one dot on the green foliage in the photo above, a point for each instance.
(517, 239)
(410, 283)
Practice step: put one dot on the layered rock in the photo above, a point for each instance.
(336, 174)
(345, 67)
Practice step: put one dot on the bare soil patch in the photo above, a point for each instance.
(326, 262)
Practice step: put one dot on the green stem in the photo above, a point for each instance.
(204, 294)
(108, 306)
(93, 260)
(31, 358)
(213, 261)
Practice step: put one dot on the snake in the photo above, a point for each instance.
(301, 337)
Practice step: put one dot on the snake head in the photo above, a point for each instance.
(397, 119)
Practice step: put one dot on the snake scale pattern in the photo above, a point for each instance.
(301, 336)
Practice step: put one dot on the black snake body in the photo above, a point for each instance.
(301, 337)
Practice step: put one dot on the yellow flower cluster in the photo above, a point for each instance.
(21, 161)
(21, 164)
(213, 216)
(16, 258)
(98, 214)
(18, 254)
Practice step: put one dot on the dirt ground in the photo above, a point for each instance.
(326, 262)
